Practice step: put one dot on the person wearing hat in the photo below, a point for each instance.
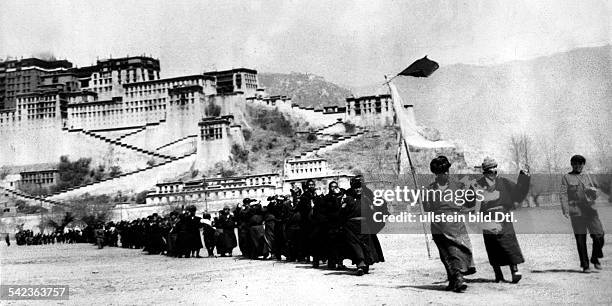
(500, 194)
(578, 194)
(330, 242)
(193, 231)
(304, 207)
(209, 234)
(356, 215)
(226, 240)
(451, 238)
(256, 231)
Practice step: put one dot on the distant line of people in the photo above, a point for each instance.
(306, 227)
(28, 237)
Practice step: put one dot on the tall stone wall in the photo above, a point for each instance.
(136, 182)
(45, 144)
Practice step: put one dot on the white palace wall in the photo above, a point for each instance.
(315, 118)
(137, 182)
(47, 142)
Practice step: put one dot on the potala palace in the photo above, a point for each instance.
(122, 112)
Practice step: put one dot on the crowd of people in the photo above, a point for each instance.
(28, 237)
(306, 227)
(315, 228)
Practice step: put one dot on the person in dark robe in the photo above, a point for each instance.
(173, 235)
(194, 224)
(242, 224)
(269, 227)
(500, 194)
(183, 240)
(360, 230)
(280, 208)
(305, 204)
(578, 194)
(292, 234)
(7, 240)
(324, 213)
(334, 200)
(155, 244)
(209, 234)
(451, 238)
(226, 241)
(256, 237)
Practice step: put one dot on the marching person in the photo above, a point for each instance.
(356, 212)
(280, 208)
(500, 194)
(333, 243)
(578, 194)
(305, 204)
(209, 234)
(256, 232)
(226, 240)
(451, 238)
(193, 229)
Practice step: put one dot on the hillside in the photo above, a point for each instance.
(562, 102)
(306, 90)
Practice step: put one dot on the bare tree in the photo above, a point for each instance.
(551, 155)
(522, 150)
(523, 155)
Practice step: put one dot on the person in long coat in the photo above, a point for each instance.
(305, 205)
(183, 240)
(359, 231)
(280, 208)
(256, 232)
(500, 194)
(451, 238)
(226, 240)
(194, 224)
(241, 218)
(336, 248)
(325, 218)
(208, 233)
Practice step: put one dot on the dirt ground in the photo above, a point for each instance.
(121, 276)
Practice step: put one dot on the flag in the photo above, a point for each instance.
(422, 68)
(405, 117)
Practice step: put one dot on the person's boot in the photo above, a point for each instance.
(499, 276)
(360, 270)
(366, 269)
(586, 270)
(596, 263)
(451, 285)
(459, 284)
(516, 275)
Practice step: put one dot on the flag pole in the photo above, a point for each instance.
(413, 172)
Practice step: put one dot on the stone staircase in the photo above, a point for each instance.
(131, 133)
(27, 197)
(331, 144)
(174, 142)
(123, 175)
(142, 129)
(121, 144)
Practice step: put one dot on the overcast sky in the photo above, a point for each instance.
(348, 42)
